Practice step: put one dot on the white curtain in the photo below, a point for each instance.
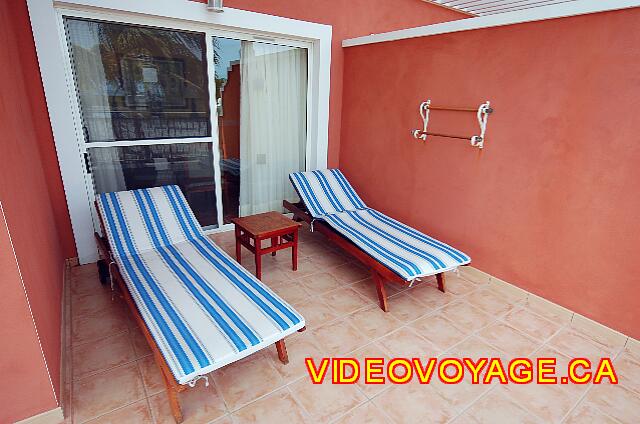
(93, 94)
(273, 115)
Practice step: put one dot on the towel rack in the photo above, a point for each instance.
(482, 112)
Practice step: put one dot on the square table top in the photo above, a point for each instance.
(266, 223)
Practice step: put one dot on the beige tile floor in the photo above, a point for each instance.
(113, 378)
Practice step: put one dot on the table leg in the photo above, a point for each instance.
(258, 259)
(238, 245)
(274, 242)
(294, 250)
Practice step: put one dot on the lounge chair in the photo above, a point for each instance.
(392, 250)
(197, 307)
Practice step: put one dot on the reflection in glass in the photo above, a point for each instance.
(137, 82)
(189, 165)
(261, 98)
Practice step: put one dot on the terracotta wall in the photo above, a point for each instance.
(16, 12)
(552, 203)
(33, 219)
(25, 389)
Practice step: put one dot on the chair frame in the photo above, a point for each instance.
(379, 272)
(172, 386)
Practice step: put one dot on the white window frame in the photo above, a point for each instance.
(172, 14)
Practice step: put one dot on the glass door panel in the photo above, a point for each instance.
(137, 87)
(261, 97)
(139, 83)
(189, 165)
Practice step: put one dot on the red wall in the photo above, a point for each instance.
(25, 389)
(21, 28)
(27, 199)
(552, 203)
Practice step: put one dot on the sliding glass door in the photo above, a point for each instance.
(261, 100)
(223, 118)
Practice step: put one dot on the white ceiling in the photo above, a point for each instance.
(491, 7)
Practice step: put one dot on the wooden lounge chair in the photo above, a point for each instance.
(198, 309)
(392, 250)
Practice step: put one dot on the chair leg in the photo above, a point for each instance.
(382, 292)
(103, 271)
(440, 279)
(174, 402)
(282, 352)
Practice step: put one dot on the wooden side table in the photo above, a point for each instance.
(282, 231)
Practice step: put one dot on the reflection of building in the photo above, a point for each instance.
(229, 130)
(155, 83)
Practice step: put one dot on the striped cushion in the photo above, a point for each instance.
(202, 308)
(404, 250)
(326, 192)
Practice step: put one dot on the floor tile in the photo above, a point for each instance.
(438, 330)
(244, 381)
(326, 402)
(616, 401)
(549, 310)
(92, 328)
(292, 292)
(305, 267)
(549, 402)
(531, 324)
(138, 412)
(367, 289)
(372, 350)
(459, 396)
(497, 408)
(577, 345)
(406, 308)
(315, 311)
(97, 302)
(474, 348)
(406, 343)
(312, 248)
(628, 371)
(466, 317)
(584, 413)
(104, 392)
(373, 322)
(410, 403)
(329, 259)
(457, 285)
(151, 375)
(350, 273)
(275, 275)
(298, 349)
(344, 301)
(321, 282)
(367, 413)
(490, 302)
(430, 296)
(339, 337)
(139, 342)
(101, 355)
(199, 404)
(509, 340)
(278, 407)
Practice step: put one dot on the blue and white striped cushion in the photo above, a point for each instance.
(405, 250)
(202, 308)
(326, 192)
